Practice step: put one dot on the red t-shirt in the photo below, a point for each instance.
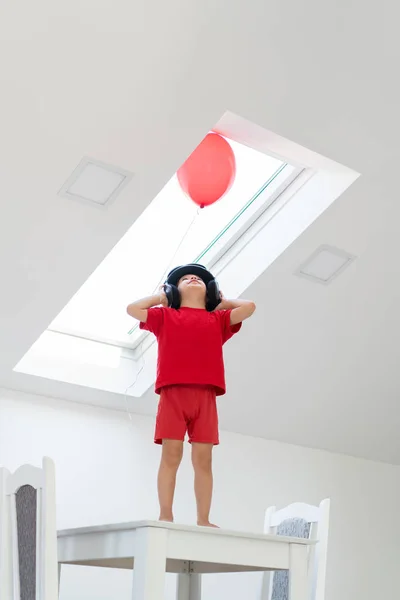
(190, 344)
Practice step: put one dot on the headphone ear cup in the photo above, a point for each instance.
(213, 295)
(173, 295)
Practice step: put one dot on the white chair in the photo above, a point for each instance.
(28, 534)
(301, 520)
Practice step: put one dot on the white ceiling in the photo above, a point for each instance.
(138, 85)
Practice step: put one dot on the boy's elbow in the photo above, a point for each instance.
(252, 307)
(137, 313)
(132, 310)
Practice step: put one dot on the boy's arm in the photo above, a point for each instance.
(139, 309)
(241, 309)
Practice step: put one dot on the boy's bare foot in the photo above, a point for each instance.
(166, 518)
(206, 524)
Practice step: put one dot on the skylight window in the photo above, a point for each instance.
(171, 231)
(93, 343)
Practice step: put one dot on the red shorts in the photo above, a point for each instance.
(187, 408)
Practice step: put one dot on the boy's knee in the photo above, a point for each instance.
(172, 455)
(202, 460)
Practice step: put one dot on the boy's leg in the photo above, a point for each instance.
(203, 435)
(203, 481)
(171, 457)
(170, 432)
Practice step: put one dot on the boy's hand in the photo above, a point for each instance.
(241, 309)
(224, 304)
(163, 297)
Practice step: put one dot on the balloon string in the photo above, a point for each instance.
(156, 290)
(167, 270)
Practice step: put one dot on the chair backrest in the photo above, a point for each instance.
(28, 534)
(299, 520)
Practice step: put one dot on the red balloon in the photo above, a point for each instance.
(209, 172)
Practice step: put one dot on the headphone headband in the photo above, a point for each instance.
(191, 269)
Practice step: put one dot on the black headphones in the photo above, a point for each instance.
(171, 285)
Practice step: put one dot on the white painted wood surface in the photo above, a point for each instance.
(150, 546)
(43, 480)
(150, 564)
(298, 572)
(318, 517)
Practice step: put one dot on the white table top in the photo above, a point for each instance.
(187, 550)
(115, 527)
(212, 550)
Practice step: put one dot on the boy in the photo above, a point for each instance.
(190, 374)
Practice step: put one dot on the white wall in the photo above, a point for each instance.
(106, 468)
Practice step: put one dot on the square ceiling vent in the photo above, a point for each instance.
(95, 182)
(325, 264)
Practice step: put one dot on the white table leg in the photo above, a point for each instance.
(189, 586)
(59, 578)
(298, 572)
(150, 563)
(195, 586)
(183, 587)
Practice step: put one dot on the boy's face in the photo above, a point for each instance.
(191, 286)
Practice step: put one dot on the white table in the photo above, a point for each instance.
(153, 548)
